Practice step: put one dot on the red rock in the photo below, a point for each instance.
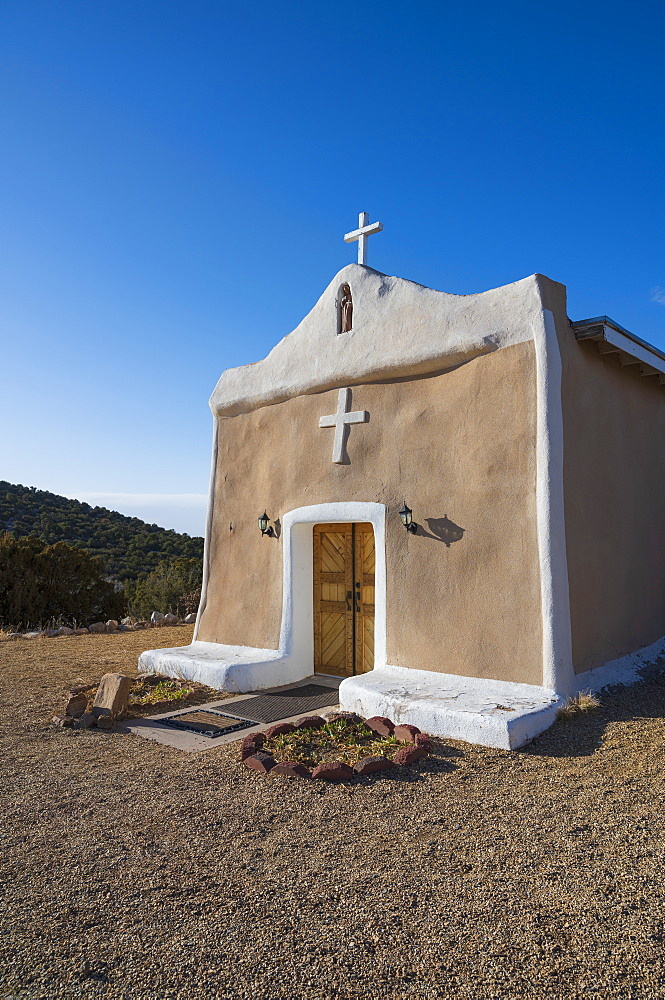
(261, 762)
(370, 765)
(406, 733)
(292, 769)
(64, 720)
(281, 729)
(251, 744)
(379, 724)
(333, 770)
(424, 741)
(310, 722)
(409, 755)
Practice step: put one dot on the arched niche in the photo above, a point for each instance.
(344, 309)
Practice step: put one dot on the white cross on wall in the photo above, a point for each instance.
(361, 233)
(339, 421)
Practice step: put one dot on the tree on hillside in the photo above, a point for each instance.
(41, 583)
(174, 585)
(129, 547)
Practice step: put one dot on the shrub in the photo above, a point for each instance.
(174, 586)
(583, 701)
(41, 583)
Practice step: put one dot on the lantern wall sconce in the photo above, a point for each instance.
(407, 519)
(265, 526)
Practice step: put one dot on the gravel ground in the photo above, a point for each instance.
(132, 870)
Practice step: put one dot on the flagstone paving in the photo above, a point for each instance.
(133, 870)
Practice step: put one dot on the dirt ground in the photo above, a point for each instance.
(131, 870)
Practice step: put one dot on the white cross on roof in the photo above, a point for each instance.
(364, 230)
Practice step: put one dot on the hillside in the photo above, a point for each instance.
(129, 547)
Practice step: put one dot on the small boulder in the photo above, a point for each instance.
(112, 695)
(76, 705)
(128, 620)
(104, 721)
(97, 627)
(170, 619)
(261, 762)
(52, 633)
(310, 722)
(86, 721)
(32, 635)
(424, 741)
(190, 619)
(141, 624)
(370, 765)
(333, 770)
(292, 769)
(111, 625)
(157, 618)
(409, 755)
(406, 733)
(80, 631)
(65, 630)
(379, 724)
(280, 729)
(64, 720)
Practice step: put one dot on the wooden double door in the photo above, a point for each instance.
(344, 563)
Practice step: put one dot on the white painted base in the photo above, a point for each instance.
(624, 670)
(238, 669)
(491, 713)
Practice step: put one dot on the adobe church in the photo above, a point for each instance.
(452, 502)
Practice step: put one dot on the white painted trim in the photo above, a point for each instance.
(625, 670)
(399, 328)
(297, 632)
(207, 543)
(558, 673)
(630, 347)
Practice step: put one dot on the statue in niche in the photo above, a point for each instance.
(345, 309)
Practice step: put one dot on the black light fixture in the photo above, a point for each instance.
(407, 519)
(263, 525)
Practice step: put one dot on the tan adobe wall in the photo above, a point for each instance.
(614, 481)
(460, 448)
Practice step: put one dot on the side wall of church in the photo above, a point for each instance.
(614, 482)
(463, 594)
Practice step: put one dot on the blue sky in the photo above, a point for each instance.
(175, 181)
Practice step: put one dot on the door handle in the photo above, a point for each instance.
(358, 598)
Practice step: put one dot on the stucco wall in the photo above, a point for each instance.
(614, 481)
(463, 595)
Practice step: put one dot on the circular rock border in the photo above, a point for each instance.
(257, 759)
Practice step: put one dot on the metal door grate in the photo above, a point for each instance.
(206, 723)
(274, 706)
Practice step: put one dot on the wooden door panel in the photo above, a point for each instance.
(333, 612)
(365, 564)
(344, 562)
